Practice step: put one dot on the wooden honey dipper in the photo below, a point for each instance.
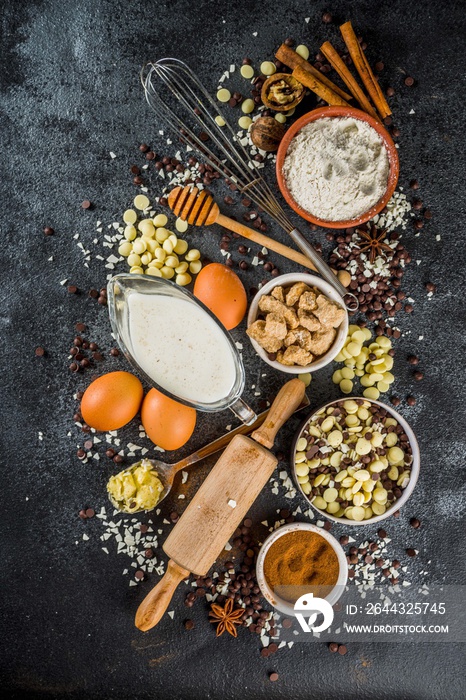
(198, 208)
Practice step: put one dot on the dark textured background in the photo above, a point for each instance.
(70, 95)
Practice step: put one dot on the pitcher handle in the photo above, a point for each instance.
(242, 411)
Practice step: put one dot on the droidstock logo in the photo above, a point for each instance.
(313, 607)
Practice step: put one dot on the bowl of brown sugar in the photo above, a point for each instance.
(297, 559)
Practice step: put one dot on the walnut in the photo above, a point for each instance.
(266, 133)
(282, 92)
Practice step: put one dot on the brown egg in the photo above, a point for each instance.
(222, 291)
(111, 401)
(168, 424)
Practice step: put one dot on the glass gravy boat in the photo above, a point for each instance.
(121, 287)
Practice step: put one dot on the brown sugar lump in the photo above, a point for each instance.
(307, 301)
(257, 332)
(275, 326)
(278, 293)
(303, 338)
(269, 304)
(328, 312)
(321, 342)
(294, 355)
(309, 321)
(294, 293)
(290, 339)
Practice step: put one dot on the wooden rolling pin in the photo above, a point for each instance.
(219, 505)
(198, 208)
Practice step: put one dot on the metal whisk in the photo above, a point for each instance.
(185, 94)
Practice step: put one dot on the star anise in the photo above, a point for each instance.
(373, 242)
(226, 618)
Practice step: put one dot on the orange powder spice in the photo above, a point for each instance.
(301, 559)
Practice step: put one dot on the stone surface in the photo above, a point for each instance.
(70, 96)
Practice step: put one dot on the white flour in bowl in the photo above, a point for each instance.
(336, 168)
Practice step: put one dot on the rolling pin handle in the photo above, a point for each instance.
(286, 402)
(156, 602)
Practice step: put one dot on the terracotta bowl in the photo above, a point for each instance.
(394, 164)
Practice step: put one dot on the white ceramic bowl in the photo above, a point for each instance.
(415, 466)
(285, 606)
(313, 281)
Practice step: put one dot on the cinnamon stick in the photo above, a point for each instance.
(318, 87)
(351, 83)
(290, 58)
(362, 66)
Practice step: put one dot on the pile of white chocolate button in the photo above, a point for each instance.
(372, 363)
(152, 249)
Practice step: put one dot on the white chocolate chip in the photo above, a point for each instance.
(302, 51)
(247, 72)
(160, 220)
(247, 106)
(268, 68)
(181, 226)
(130, 216)
(223, 95)
(141, 202)
(245, 122)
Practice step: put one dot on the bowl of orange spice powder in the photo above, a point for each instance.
(300, 558)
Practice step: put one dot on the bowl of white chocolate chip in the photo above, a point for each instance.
(356, 460)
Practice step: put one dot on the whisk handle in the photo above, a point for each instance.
(323, 269)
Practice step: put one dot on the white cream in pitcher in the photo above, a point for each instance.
(181, 347)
